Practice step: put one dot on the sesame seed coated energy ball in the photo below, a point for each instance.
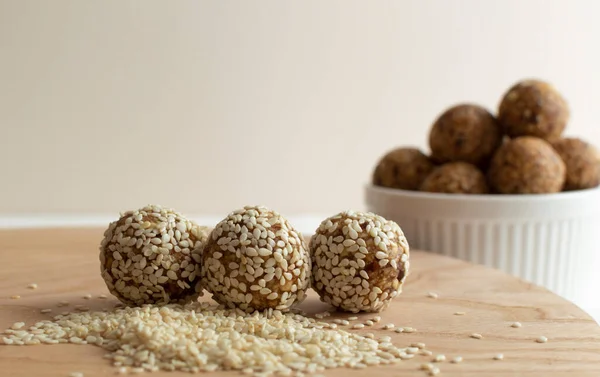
(581, 160)
(466, 133)
(533, 108)
(526, 165)
(360, 261)
(148, 257)
(456, 178)
(402, 168)
(255, 260)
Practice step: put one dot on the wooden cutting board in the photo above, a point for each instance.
(64, 264)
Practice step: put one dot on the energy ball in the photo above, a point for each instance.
(255, 260)
(581, 160)
(526, 165)
(402, 168)
(533, 108)
(360, 261)
(149, 256)
(466, 133)
(456, 178)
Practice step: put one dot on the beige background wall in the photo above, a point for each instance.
(206, 106)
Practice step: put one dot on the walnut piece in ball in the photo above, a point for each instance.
(402, 168)
(148, 257)
(255, 260)
(526, 165)
(533, 108)
(360, 261)
(465, 132)
(456, 178)
(581, 161)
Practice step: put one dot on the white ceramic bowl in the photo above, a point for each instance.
(551, 240)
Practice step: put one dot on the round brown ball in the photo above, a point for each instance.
(150, 256)
(581, 160)
(255, 260)
(456, 178)
(467, 133)
(526, 165)
(402, 168)
(360, 261)
(533, 108)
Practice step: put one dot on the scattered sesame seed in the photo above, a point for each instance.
(15, 297)
(369, 335)
(426, 353)
(439, 358)
(87, 296)
(460, 313)
(499, 357)
(17, 325)
(399, 330)
(63, 303)
(376, 319)
(388, 326)
(412, 350)
(427, 366)
(44, 311)
(516, 325)
(144, 338)
(369, 323)
(418, 345)
(434, 371)
(102, 297)
(541, 339)
(432, 295)
(32, 286)
(476, 336)
(352, 318)
(409, 329)
(456, 360)
(75, 374)
(358, 326)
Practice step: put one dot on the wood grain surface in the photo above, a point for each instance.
(64, 264)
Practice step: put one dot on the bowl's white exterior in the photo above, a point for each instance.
(550, 240)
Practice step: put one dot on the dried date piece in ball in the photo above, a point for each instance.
(148, 257)
(526, 165)
(402, 168)
(533, 108)
(255, 260)
(360, 261)
(456, 178)
(581, 160)
(467, 133)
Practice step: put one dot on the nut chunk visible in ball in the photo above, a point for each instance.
(581, 160)
(402, 168)
(360, 261)
(456, 178)
(147, 257)
(255, 260)
(526, 165)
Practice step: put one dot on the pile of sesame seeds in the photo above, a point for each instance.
(151, 256)
(254, 260)
(202, 337)
(360, 261)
